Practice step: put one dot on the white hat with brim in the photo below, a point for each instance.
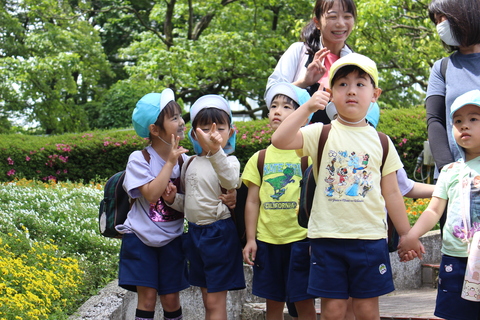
(148, 109)
(295, 93)
(210, 101)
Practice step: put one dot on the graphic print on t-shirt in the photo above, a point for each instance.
(280, 177)
(347, 174)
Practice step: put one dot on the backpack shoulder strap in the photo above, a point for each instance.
(146, 155)
(261, 162)
(304, 163)
(321, 143)
(443, 67)
(189, 161)
(384, 141)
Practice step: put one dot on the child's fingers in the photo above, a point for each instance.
(213, 128)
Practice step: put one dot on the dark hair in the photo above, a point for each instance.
(346, 70)
(287, 99)
(463, 16)
(210, 115)
(170, 109)
(310, 34)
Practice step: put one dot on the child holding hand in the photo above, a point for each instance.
(457, 190)
(348, 227)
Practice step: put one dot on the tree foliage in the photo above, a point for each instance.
(83, 64)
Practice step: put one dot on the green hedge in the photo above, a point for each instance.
(96, 155)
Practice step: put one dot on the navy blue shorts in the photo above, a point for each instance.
(450, 304)
(163, 268)
(342, 268)
(281, 272)
(215, 256)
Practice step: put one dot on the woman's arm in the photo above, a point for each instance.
(437, 132)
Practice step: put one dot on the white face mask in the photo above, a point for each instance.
(445, 33)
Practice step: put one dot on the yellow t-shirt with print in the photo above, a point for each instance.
(348, 202)
(279, 194)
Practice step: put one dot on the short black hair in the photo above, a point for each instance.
(464, 19)
(346, 70)
(210, 115)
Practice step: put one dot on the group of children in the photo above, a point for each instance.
(342, 257)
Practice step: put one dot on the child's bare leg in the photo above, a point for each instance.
(333, 309)
(147, 298)
(215, 304)
(366, 309)
(349, 314)
(274, 310)
(170, 302)
(306, 309)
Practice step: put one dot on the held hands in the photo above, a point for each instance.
(210, 141)
(410, 248)
(229, 198)
(169, 193)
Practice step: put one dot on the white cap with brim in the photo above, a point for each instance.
(295, 93)
(148, 109)
(470, 97)
(210, 101)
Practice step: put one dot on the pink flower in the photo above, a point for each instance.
(244, 136)
(10, 161)
(27, 158)
(106, 143)
(11, 172)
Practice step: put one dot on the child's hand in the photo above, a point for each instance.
(249, 252)
(410, 248)
(319, 100)
(316, 69)
(169, 193)
(176, 150)
(211, 140)
(229, 198)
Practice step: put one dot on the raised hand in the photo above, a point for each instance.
(176, 150)
(319, 99)
(316, 69)
(210, 141)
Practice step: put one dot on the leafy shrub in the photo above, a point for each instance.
(62, 217)
(97, 155)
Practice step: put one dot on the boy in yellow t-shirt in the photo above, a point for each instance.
(347, 226)
(277, 247)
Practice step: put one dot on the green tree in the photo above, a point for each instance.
(400, 37)
(51, 62)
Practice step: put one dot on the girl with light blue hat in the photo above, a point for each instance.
(213, 248)
(151, 257)
(458, 191)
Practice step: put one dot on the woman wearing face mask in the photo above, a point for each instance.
(458, 25)
(306, 64)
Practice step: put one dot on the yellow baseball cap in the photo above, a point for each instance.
(355, 59)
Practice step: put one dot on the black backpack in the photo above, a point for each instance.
(115, 204)
(308, 186)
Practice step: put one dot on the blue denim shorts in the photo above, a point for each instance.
(163, 268)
